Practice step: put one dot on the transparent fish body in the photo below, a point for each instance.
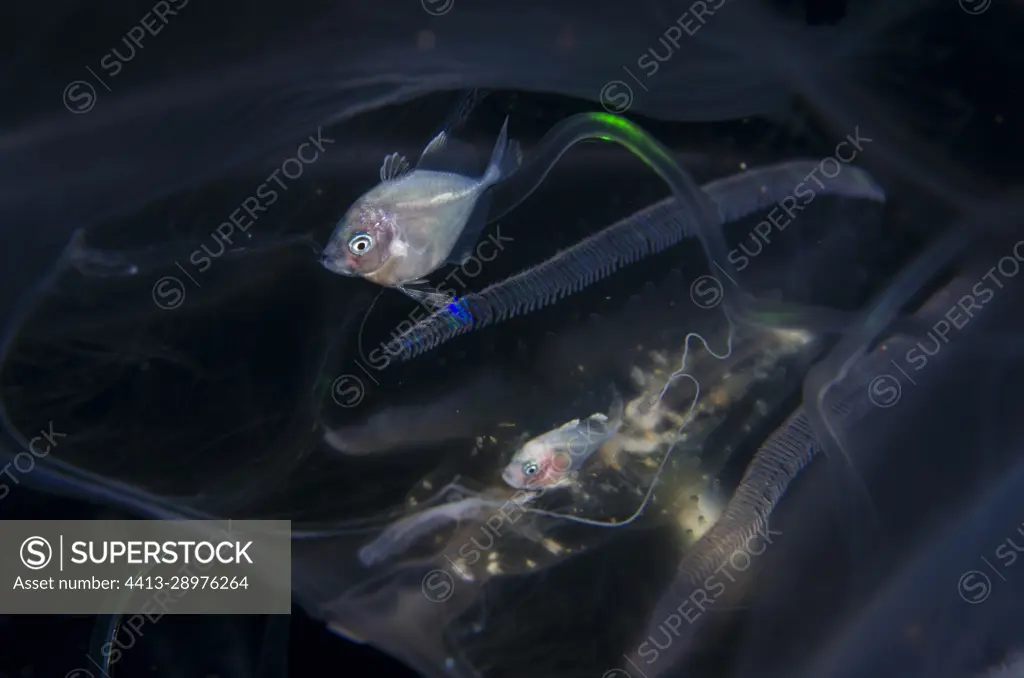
(429, 210)
(414, 220)
(551, 459)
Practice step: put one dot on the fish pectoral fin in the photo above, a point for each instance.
(426, 295)
(394, 166)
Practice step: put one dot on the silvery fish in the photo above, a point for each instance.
(549, 460)
(415, 220)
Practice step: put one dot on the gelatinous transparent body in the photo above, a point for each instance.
(402, 499)
(830, 490)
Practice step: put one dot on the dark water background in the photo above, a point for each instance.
(959, 100)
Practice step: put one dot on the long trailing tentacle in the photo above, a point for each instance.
(647, 232)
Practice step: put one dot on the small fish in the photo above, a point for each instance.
(416, 220)
(549, 460)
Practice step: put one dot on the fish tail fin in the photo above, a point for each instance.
(505, 158)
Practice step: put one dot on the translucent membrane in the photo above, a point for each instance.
(381, 538)
(682, 455)
(908, 284)
(689, 198)
(940, 586)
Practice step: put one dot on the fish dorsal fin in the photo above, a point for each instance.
(436, 144)
(445, 154)
(570, 424)
(394, 166)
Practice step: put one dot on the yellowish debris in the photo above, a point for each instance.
(552, 546)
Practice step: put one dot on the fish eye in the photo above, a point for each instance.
(360, 243)
(530, 467)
